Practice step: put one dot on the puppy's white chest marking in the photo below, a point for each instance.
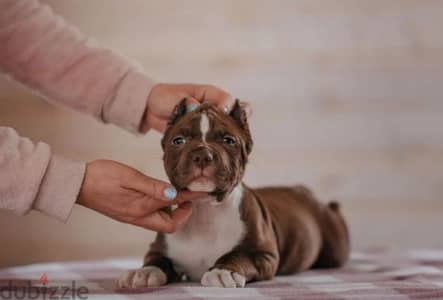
(211, 232)
(204, 126)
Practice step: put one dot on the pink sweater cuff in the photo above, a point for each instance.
(130, 101)
(60, 187)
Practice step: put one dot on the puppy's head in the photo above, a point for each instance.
(207, 149)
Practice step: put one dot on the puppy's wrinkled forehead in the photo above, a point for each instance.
(204, 122)
(209, 125)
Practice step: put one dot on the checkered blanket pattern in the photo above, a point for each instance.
(375, 274)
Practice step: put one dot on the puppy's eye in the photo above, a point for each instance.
(179, 140)
(229, 140)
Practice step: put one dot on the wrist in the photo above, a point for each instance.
(144, 124)
(80, 197)
(130, 102)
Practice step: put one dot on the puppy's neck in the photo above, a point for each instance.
(232, 199)
(208, 210)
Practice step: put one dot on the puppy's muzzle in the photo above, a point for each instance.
(202, 157)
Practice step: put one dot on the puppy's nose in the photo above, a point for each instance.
(202, 158)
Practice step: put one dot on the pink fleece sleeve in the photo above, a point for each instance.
(38, 49)
(32, 178)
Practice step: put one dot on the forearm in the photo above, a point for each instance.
(39, 49)
(32, 178)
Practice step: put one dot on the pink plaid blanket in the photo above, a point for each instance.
(416, 274)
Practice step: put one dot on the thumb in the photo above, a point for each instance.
(160, 123)
(181, 213)
(152, 121)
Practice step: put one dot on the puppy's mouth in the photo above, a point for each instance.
(202, 184)
(211, 179)
(201, 179)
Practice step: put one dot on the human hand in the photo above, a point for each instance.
(164, 97)
(128, 196)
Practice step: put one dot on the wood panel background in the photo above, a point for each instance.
(347, 98)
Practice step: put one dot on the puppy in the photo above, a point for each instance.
(236, 234)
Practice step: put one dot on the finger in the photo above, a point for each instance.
(153, 222)
(141, 207)
(225, 104)
(214, 95)
(192, 104)
(181, 213)
(187, 196)
(163, 221)
(153, 188)
(245, 105)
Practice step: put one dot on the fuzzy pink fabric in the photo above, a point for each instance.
(373, 274)
(38, 49)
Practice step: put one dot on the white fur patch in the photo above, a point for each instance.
(210, 232)
(223, 278)
(204, 126)
(202, 185)
(144, 277)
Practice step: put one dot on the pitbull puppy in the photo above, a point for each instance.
(236, 234)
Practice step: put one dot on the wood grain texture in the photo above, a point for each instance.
(347, 98)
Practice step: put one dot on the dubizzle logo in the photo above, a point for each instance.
(44, 279)
(24, 289)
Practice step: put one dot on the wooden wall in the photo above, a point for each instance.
(347, 98)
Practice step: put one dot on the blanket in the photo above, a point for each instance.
(372, 274)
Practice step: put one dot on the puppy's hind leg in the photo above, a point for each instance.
(336, 243)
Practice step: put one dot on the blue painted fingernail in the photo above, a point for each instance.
(170, 193)
(192, 107)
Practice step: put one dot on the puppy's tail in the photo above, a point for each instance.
(336, 242)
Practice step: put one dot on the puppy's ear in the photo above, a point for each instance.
(240, 117)
(178, 112)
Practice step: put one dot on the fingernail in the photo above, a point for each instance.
(170, 193)
(191, 107)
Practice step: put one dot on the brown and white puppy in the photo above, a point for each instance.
(236, 234)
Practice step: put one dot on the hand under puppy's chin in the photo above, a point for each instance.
(202, 185)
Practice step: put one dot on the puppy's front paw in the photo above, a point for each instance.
(145, 277)
(223, 278)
